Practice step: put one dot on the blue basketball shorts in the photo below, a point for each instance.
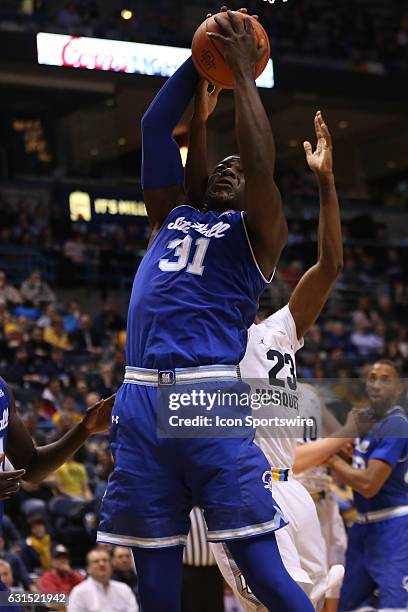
(377, 564)
(157, 480)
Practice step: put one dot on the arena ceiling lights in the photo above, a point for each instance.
(119, 56)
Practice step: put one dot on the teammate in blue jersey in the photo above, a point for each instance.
(32, 463)
(377, 553)
(193, 298)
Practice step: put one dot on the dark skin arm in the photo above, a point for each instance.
(367, 482)
(313, 289)
(263, 204)
(34, 463)
(196, 166)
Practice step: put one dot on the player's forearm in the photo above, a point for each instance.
(358, 480)
(46, 459)
(196, 166)
(254, 135)
(161, 166)
(330, 244)
(316, 453)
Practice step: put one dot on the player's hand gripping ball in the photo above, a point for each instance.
(231, 29)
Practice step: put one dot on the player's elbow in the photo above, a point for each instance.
(369, 488)
(331, 266)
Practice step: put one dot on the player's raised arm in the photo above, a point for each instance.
(313, 289)
(39, 461)
(162, 171)
(263, 204)
(196, 178)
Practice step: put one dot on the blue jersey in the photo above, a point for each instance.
(195, 293)
(388, 441)
(4, 418)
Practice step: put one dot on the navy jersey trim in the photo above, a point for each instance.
(265, 280)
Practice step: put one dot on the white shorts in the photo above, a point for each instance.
(301, 545)
(334, 534)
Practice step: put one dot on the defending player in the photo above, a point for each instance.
(377, 552)
(312, 452)
(270, 356)
(34, 463)
(194, 296)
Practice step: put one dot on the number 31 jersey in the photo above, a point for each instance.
(195, 293)
(269, 367)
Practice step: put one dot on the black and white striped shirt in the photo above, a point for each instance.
(197, 551)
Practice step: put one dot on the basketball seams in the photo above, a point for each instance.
(220, 74)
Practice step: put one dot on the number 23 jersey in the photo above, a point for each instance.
(269, 367)
(195, 293)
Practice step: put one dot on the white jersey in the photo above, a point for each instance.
(269, 366)
(315, 479)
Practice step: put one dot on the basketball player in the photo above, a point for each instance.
(377, 552)
(311, 453)
(194, 296)
(34, 463)
(270, 356)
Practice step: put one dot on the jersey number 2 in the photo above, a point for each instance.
(279, 365)
(182, 249)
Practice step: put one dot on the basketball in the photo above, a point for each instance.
(208, 53)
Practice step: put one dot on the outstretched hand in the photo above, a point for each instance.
(205, 101)
(320, 161)
(98, 417)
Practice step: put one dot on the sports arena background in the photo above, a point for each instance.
(73, 225)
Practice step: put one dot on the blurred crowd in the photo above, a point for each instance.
(363, 35)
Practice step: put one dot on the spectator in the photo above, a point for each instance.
(19, 368)
(46, 318)
(11, 534)
(99, 591)
(108, 321)
(367, 343)
(72, 480)
(68, 406)
(71, 318)
(35, 292)
(124, 568)
(53, 396)
(60, 578)
(19, 570)
(6, 576)
(85, 340)
(8, 293)
(36, 552)
(63, 425)
(56, 335)
(38, 349)
(56, 367)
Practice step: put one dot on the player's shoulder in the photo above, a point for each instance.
(394, 424)
(281, 322)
